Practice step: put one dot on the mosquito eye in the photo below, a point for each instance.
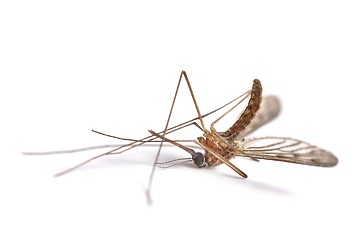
(199, 159)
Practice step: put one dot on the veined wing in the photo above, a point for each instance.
(269, 109)
(285, 150)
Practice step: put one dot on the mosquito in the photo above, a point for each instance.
(221, 147)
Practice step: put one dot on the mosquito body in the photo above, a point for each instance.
(225, 144)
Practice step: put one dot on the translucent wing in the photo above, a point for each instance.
(269, 109)
(285, 150)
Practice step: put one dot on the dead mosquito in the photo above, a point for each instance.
(221, 147)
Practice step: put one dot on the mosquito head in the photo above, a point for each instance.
(199, 159)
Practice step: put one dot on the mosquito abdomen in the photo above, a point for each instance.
(248, 114)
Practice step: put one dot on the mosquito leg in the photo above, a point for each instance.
(183, 73)
(73, 150)
(244, 96)
(151, 177)
(150, 138)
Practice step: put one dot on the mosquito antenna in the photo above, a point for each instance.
(173, 163)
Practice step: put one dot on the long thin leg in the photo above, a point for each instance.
(245, 95)
(73, 150)
(183, 73)
(152, 139)
(148, 189)
(185, 148)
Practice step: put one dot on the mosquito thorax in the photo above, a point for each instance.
(199, 159)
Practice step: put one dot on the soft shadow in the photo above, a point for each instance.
(259, 186)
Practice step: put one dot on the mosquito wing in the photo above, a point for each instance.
(285, 150)
(269, 109)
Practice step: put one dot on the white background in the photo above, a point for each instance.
(73, 66)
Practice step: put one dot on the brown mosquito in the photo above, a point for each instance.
(221, 147)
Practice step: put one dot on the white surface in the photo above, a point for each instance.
(76, 65)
